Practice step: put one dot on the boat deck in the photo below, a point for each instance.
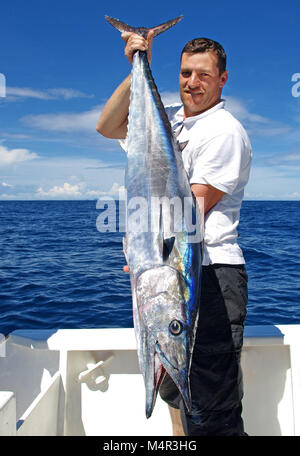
(87, 382)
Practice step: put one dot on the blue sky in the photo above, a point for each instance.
(61, 61)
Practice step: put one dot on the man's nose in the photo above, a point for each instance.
(193, 81)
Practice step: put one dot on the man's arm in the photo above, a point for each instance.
(210, 194)
(113, 119)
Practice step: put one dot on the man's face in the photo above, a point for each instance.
(200, 82)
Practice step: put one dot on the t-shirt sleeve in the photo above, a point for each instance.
(218, 162)
(123, 144)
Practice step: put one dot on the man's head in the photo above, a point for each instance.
(203, 74)
(206, 45)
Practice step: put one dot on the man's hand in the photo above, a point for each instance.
(136, 42)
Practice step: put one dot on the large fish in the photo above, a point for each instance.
(163, 236)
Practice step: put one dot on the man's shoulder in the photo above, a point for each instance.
(219, 122)
(225, 122)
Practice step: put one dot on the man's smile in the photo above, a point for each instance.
(191, 92)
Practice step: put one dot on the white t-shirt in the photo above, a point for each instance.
(218, 153)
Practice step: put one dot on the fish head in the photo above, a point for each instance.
(166, 330)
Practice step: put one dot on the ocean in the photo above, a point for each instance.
(58, 271)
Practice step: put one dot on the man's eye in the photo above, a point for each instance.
(185, 74)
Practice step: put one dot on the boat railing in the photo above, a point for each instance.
(87, 382)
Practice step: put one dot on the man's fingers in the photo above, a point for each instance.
(126, 268)
(126, 35)
(134, 42)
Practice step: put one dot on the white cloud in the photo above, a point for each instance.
(255, 124)
(60, 177)
(13, 156)
(116, 190)
(4, 184)
(170, 98)
(65, 191)
(79, 191)
(93, 193)
(65, 122)
(239, 110)
(5, 196)
(284, 159)
(293, 157)
(269, 183)
(295, 195)
(65, 178)
(67, 93)
(17, 93)
(18, 136)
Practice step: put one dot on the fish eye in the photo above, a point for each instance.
(175, 327)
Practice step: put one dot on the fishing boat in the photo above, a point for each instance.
(86, 382)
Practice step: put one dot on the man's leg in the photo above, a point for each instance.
(216, 377)
(170, 394)
(176, 421)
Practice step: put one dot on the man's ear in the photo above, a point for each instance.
(223, 78)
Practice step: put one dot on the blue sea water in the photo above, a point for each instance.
(58, 271)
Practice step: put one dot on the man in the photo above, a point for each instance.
(217, 157)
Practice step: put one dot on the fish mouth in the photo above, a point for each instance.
(179, 377)
(151, 392)
(161, 367)
(159, 372)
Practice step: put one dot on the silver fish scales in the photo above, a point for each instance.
(163, 236)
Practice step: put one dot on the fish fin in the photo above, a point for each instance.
(143, 31)
(166, 241)
(168, 247)
(166, 25)
(121, 26)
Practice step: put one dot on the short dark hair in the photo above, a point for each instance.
(206, 45)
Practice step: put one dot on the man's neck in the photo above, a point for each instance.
(185, 116)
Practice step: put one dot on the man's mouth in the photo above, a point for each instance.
(193, 93)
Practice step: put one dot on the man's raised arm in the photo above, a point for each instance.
(113, 120)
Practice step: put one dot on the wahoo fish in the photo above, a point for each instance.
(163, 235)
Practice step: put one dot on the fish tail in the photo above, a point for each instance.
(165, 26)
(121, 26)
(143, 31)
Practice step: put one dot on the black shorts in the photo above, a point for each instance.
(215, 377)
